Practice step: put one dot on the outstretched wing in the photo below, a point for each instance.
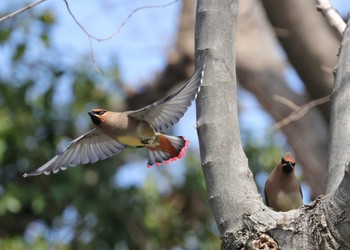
(168, 111)
(88, 148)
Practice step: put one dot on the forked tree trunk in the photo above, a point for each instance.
(243, 220)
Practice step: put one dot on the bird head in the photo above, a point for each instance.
(97, 116)
(287, 163)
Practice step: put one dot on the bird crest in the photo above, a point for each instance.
(288, 157)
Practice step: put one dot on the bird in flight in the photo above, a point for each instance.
(137, 128)
(282, 188)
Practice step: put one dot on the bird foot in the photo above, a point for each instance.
(146, 141)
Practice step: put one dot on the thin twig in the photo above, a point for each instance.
(21, 10)
(119, 28)
(300, 112)
(93, 58)
(286, 102)
(332, 15)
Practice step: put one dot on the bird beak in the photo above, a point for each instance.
(288, 167)
(95, 119)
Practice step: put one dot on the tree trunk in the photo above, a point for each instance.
(243, 220)
(221, 151)
(340, 118)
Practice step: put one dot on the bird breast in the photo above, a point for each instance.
(127, 130)
(288, 201)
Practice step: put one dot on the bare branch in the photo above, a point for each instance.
(299, 111)
(120, 26)
(93, 58)
(21, 10)
(332, 15)
(286, 102)
(111, 35)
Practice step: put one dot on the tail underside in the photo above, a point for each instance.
(170, 149)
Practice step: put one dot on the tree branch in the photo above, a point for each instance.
(120, 27)
(21, 10)
(337, 208)
(332, 15)
(340, 117)
(115, 32)
(299, 111)
(286, 102)
(231, 188)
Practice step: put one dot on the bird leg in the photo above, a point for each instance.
(150, 141)
(146, 141)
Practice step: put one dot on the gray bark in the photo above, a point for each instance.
(221, 151)
(243, 220)
(340, 118)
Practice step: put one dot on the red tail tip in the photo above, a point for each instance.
(182, 152)
(179, 156)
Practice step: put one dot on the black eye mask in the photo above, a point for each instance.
(283, 161)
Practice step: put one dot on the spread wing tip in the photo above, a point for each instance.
(45, 172)
(35, 173)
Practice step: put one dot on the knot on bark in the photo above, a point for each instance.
(264, 242)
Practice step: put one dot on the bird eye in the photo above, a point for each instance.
(99, 112)
(283, 161)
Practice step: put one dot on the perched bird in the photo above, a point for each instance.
(282, 188)
(138, 128)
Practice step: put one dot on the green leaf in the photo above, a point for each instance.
(48, 18)
(4, 35)
(19, 52)
(45, 39)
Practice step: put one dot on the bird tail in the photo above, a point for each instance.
(170, 148)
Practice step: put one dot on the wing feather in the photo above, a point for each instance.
(88, 148)
(165, 113)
